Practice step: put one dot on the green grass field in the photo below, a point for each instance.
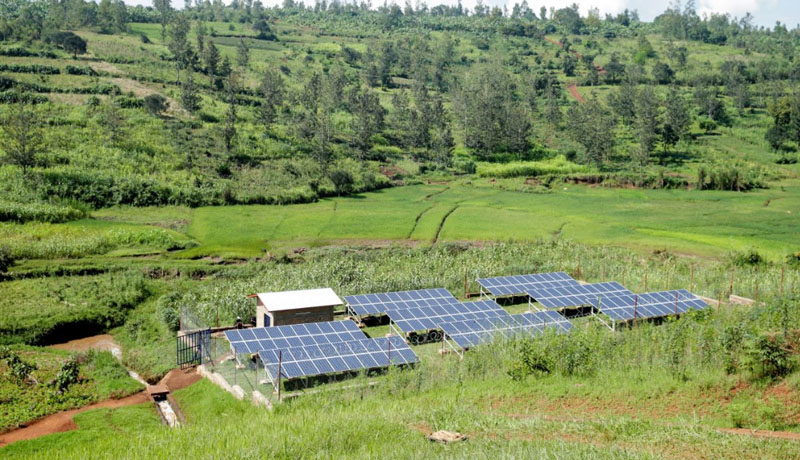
(704, 223)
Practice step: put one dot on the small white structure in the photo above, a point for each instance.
(295, 307)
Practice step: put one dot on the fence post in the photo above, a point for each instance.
(676, 304)
(466, 288)
(691, 278)
(604, 270)
(756, 291)
(730, 285)
(781, 286)
(635, 304)
(280, 363)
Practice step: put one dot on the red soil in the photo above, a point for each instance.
(62, 421)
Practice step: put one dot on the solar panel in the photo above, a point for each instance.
(268, 338)
(569, 296)
(625, 307)
(474, 332)
(339, 357)
(418, 319)
(374, 304)
(519, 284)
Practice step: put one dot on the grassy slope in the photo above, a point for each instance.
(533, 419)
(705, 223)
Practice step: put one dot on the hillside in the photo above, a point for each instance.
(158, 165)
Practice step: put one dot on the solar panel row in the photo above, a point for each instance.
(569, 296)
(374, 304)
(470, 333)
(266, 338)
(417, 319)
(625, 307)
(340, 357)
(520, 284)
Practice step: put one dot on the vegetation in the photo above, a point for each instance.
(40, 381)
(156, 161)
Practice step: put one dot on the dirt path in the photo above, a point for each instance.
(103, 342)
(789, 435)
(63, 421)
(573, 90)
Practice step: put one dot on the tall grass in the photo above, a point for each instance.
(558, 165)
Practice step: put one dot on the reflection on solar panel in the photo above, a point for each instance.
(339, 357)
(624, 307)
(297, 335)
(474, 332)
(374, 304)
(418, 319)
(569, 296)
(519, 284)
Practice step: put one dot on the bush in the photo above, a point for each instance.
(66, 376)
(169, 310)
(32, 68)
(155, 103)
(750, 258)
(767, 357)
(77, 70)
(6, 259)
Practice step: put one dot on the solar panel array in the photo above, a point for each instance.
(375, 304)
(569, 295)
(339, 357)
(474, 332)
(297, 335)
(417, 319)
(625, 307)
(520, 284)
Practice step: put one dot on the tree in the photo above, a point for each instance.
(155, 103)
(367, 119)
(75, 45)
(229, 126)
(6, 259)
(211, 60)
(164, 8)
(614, 69)
(647, 123)
(272, 91)
(676, 119)
(179, 42)
(662, 73)
(190, 96)
(622, 102)
(591, 124)
(242, 53)
(113, 120)
(264, 31)
(22, 137)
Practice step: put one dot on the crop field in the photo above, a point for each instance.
(705, 224)
(158, 165)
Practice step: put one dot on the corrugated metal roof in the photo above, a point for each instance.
(293, 300)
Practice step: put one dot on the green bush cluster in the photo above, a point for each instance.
(737, 178)
(39, 212)
(30, 68)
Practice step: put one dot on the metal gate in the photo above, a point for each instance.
(194, 348)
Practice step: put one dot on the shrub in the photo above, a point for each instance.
(750, 258)
(78, 70)
(20, 369)
(66, 376)
(558, 165)
(6, 259)
(342, 180)
(169, 310)
(767, 357)
(155, 103)
(32, 68)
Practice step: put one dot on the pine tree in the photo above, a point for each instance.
(190, 97)
(647, 123)
(242, 53)
(676, 119)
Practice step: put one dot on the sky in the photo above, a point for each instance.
(766, 12)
